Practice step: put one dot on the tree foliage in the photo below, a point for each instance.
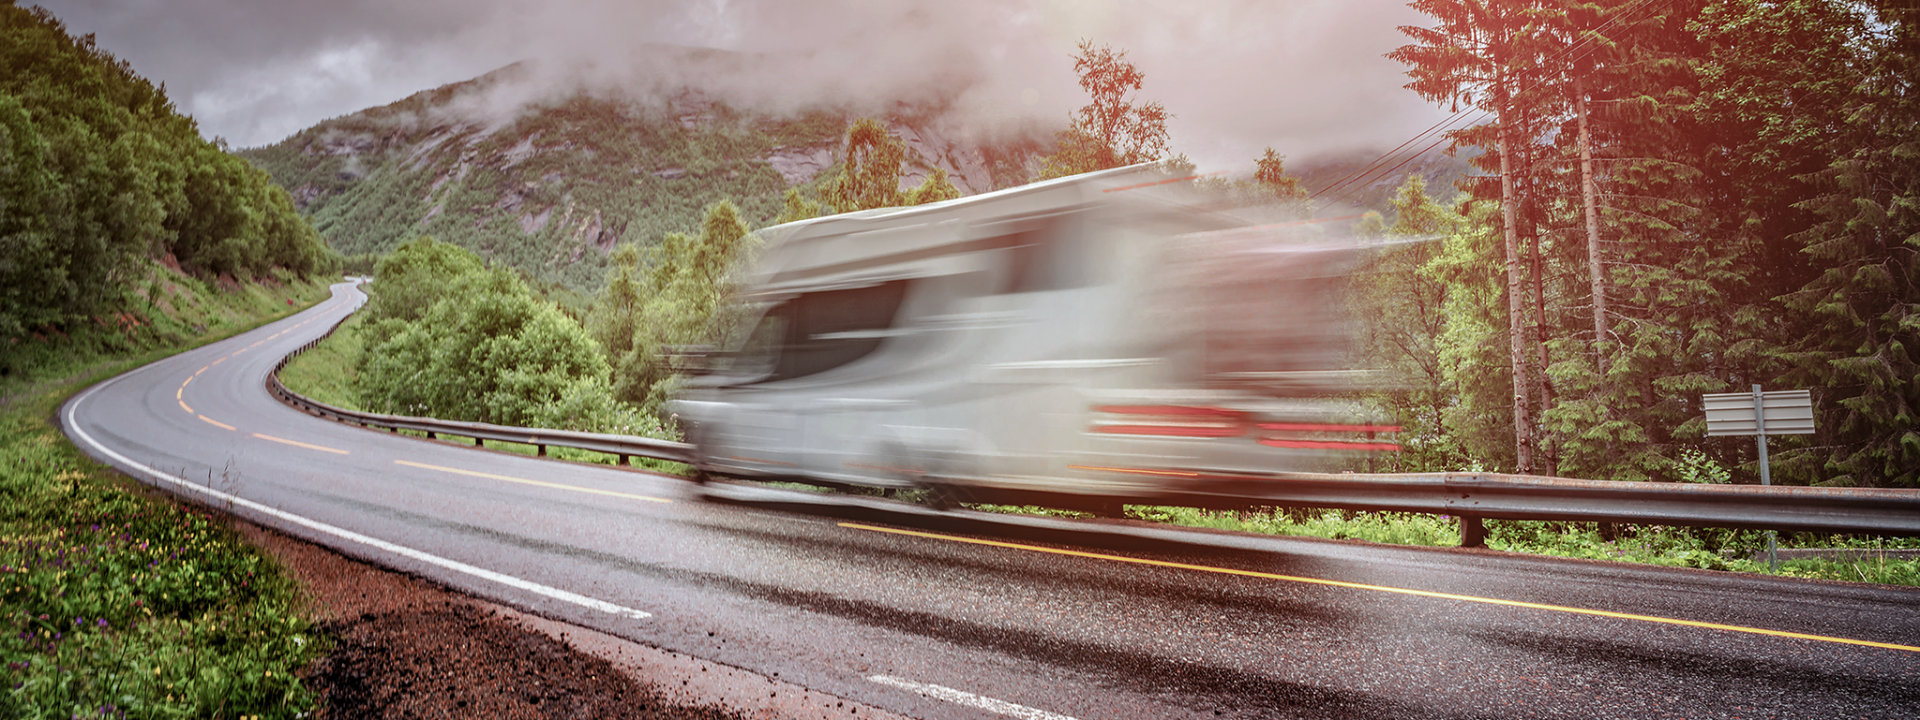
(675, 296)
(1752, 163)
(870, 176)
(1864, 306)
(99, 173)
(448, 338)
(1110, 131)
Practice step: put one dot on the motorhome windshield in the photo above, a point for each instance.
(815, 332)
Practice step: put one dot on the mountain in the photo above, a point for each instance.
(550, 186)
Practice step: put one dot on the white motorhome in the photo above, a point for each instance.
(1075, 343)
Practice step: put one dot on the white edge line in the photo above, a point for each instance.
(962, 697)
(343, 533)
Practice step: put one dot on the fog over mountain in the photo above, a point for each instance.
(1304, 76)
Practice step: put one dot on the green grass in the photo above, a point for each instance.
(118, 602)
(1705, 548)
(327, 372)
(1389, 528)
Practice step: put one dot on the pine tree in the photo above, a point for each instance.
(1864, 357)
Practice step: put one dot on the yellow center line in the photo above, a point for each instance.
(185, 406)
(216, 423)
(216, 362)
(1386, 589)
(524, 481)
(297, 443)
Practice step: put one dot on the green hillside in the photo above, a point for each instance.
(100, 176)
(553, 189)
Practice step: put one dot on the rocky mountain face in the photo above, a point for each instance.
(552, 186)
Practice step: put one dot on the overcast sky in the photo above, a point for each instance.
(1302, 76)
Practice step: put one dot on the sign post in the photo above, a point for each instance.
(1782, 412)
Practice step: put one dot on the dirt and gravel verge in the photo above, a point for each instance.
(404, 647)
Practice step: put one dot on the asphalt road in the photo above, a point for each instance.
(964, 615)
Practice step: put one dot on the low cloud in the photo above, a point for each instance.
(1302, 77)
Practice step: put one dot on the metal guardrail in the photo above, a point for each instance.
(1477, 496)
(1470, 496)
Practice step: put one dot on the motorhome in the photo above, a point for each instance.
(1076, 343)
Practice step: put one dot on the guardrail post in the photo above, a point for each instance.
(1473, 533)
(431, 435)
(479, 442)
(543, 450)
(623, 461)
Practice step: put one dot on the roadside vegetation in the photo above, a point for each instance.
(1843, 557)
(99, 175)
(116, 601)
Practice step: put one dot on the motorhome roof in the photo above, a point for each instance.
(860, 248)
(802, 230)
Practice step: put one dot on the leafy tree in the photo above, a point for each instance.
(870, 177)
(796, 207)
(100, 173)
(1405, 302)
(680, 298)
(488, 351)
(1111, 131)
(1270, 175)
(415, 276)
(935, 188)
(32, 268)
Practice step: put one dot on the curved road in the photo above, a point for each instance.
(963, 615)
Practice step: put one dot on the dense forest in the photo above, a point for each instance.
(1675, 199)
(100, 177)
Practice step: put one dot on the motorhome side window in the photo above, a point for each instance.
(820, 331)
(1052, 256)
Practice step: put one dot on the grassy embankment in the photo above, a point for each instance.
(326, 373)
(118, 601)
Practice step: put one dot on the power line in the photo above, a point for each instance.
(1371, 171)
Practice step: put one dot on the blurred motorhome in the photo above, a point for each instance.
(1090, 339)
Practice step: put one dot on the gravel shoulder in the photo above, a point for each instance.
(405, 647)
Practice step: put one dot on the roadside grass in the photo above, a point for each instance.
(168, 313)
(116, 600)
(1388, 528)
(1705, 548)
(327, 372)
